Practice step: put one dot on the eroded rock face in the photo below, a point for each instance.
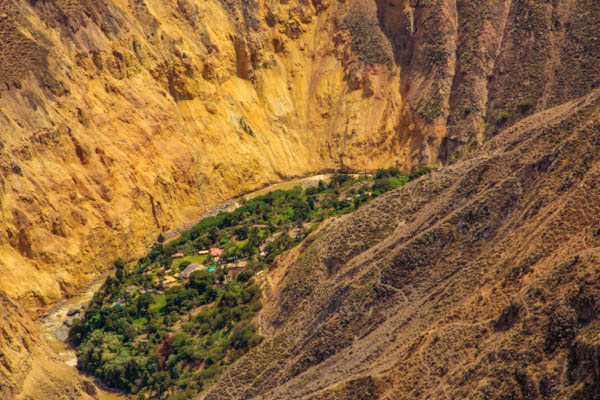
(122, 120)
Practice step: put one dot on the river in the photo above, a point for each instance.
(55, 330)
(54, 323)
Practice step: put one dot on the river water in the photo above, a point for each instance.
(53, 324)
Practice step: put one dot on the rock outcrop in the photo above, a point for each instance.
(28, 369)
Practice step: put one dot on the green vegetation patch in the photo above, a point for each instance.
(146, 332)
(190, 259)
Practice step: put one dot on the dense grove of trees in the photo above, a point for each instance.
(108, 337)
(140, 335)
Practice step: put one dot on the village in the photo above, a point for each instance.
(213, 259)
(170, 276)
(178, 317)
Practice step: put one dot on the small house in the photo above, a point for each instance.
(169, 281)
(203, 252)
(185, 274)
(216, 252)
(178, 255)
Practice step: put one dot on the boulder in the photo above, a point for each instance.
(73, 311)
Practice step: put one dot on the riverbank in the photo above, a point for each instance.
(236, 202)
(55, 329)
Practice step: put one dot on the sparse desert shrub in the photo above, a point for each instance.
(368, 41)
(502, 118)
(433, 109)
(525, 106)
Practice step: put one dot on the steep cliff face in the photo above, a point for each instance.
(479, 281)
(122, 119)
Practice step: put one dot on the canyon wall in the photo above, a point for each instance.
(123, 119)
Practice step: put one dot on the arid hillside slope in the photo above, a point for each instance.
(479, 281)
(122, 119)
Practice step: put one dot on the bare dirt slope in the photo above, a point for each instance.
(479, 281)
(121, 119)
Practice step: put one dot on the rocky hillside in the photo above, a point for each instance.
(479, 281)
(123, 119)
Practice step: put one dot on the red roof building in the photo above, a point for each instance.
(216, 252)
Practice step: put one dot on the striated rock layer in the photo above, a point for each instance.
(123, 119)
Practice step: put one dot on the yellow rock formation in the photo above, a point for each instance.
(124, 119)
(146, 112)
